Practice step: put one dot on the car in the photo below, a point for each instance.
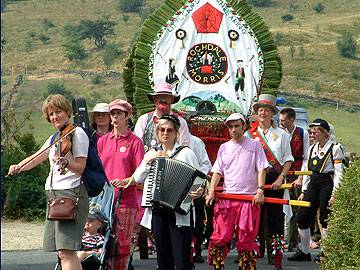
(301, 117)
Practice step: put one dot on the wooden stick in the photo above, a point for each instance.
(266, 199)
(299, 173)
(283, 186)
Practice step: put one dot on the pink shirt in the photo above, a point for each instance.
(239, 164)
(120, 157)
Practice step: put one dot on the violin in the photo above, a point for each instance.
(64, 146)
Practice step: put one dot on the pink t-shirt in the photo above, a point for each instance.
(120, 157)
(239, 163)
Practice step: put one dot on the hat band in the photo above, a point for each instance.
(266, 101)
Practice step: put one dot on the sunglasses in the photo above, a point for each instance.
(168, 130)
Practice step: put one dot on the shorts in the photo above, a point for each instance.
(67, 234)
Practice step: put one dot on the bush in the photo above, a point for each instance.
(45, 39)
(342, 245)
(319, 8)
(130, 5)
(110, 53)
(74, 50)
(23, 194)
(96, 79)
(287, 18)
(260, 3)
(279, 38)
(47, 24)
(58, 88)
(347, 45)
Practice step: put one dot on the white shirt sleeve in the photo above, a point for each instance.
(143, 170)
(198, 147)
(140, 126)
(306, 144)
(286, 148)
(338, 154)
(184, 138)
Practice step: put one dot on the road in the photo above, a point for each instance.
(39, 260)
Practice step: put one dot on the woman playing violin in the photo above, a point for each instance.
(67, 158)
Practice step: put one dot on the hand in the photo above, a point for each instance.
(129, 181)
(117, 183)
(14, 169)
(209, 199)
(301, 197)
(258, 198)
(297, 183)
(197, 193)
(277, 183)
(331, 201)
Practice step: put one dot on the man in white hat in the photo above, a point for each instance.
(276, 144)
(145, 125)
(242, 163)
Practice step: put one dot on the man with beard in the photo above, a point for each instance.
(145, 126)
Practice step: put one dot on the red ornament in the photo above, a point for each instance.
(207, 19)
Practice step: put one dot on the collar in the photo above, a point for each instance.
(325, 148)
(176, 145)
(112, 135)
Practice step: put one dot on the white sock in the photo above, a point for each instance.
(305, 236)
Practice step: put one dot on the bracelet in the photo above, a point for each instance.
(283, 175)
(261, 187)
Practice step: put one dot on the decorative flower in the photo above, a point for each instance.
(233, 35)
(180, 34)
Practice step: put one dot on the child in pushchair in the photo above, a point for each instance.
(98, 242)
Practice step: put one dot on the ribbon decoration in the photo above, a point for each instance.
(243, 197)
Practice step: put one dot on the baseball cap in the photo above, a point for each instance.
(234, 117)
(95, 214)
(320, 123)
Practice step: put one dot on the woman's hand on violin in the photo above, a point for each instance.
(62, 163)
(14, 169)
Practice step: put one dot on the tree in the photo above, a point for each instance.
(110, 53)
(260, 3)
(74, 50)
(130, 5)
(96, 30)
(347, 45)
(287, 18)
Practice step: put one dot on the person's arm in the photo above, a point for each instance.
(215, 179)
(36, 159)
(31, 161)
(259, 196)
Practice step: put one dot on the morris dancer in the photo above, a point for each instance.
(276, 144)
(146, 124)
(242, 163)
(325, 161)
(299, 142)
(121, 152)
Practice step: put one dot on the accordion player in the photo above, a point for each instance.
(168, 184)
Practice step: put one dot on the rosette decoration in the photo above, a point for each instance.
(233, 36)
(181, 35)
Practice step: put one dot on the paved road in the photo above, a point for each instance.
(39, 260)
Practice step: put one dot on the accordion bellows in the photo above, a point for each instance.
(169, 183)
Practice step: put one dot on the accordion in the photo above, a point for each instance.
(168, 184)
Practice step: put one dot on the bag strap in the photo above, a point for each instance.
(177, 150)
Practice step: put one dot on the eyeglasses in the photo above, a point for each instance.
(168, 130)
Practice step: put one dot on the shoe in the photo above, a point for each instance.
(198, 259)
(236, 261)
(300, 256)
(292, 247)
(319, 257)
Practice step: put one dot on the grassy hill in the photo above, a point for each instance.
(314, 67)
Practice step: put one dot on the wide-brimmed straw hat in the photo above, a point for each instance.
(163, 88)
(266, 100)
(99, 107)
(122, 105)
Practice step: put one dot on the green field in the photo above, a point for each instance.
(316, 68)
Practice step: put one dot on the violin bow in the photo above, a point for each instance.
(60, 139)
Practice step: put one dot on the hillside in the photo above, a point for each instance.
(307, 45)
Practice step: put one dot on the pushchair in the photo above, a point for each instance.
(105, 203)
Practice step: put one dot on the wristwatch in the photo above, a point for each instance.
(261, 187)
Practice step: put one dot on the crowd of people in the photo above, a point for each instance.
(257, 154)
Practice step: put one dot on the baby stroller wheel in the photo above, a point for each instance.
(91, 262)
